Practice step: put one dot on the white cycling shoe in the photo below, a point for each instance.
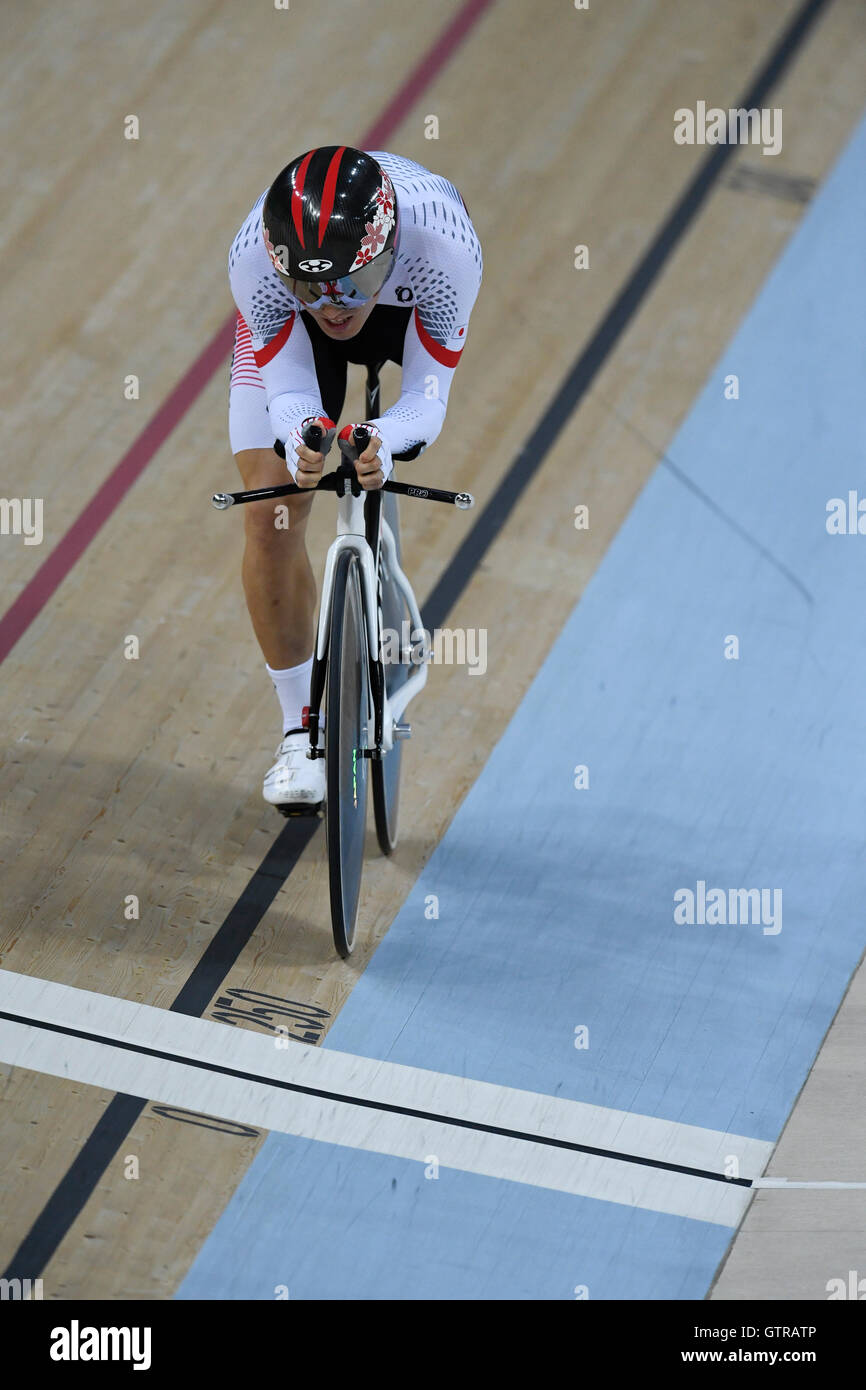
(295, 784)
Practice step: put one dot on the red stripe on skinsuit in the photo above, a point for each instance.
(273, 347)
(442, 354)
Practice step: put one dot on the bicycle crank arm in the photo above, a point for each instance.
(400, 731)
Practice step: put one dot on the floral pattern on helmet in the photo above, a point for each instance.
(278, 255)
(377, 231)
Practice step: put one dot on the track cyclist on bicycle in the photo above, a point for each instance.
(349, 256)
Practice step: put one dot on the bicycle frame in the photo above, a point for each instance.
(362, 529)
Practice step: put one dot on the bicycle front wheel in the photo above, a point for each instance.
(346, 724)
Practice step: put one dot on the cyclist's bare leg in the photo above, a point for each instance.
(278, 578)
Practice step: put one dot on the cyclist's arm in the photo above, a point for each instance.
(282, 350)
(290, 380)
(435, 337)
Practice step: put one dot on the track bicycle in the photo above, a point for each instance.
(370, 659)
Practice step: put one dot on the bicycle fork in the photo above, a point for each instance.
(354, 528)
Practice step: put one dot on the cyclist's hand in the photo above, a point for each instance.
(309, 465)
(374, 465)
(368, 466)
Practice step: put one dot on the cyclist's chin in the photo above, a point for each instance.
(352, 322)
(346, 328)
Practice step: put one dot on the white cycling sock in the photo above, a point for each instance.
(293, 692)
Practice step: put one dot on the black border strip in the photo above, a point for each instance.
(605, 338)
(385, 1106)
(79, 1182)
(81, 1179)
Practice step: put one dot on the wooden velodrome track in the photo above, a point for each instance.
(142, 777)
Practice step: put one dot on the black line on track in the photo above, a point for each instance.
(215, 1069)
(244, 917)
(593, 357)
(79, 1182)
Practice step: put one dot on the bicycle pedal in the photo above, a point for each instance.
(402, 730)
(301, 810)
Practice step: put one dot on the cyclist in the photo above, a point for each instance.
(349, 256)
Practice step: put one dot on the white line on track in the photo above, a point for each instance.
(785, 1182)
(257, 1101)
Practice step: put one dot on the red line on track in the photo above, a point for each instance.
(427, 69)
(69, 549)
(71, 546)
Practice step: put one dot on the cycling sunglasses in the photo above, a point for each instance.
(350, 290)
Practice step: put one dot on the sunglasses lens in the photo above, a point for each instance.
(369, 279)
(308, 291)
(354, 289)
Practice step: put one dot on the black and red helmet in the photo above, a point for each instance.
(330, 224)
